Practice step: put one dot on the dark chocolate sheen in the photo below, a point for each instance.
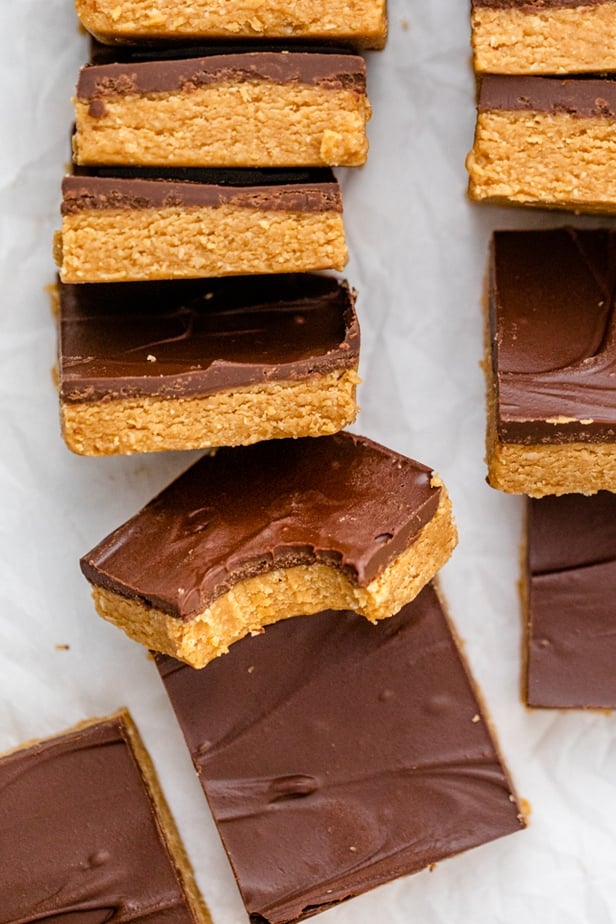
(361, 757)
(571, 581)
(584, 97)
(342, 500)
(329, 71)
(79, 843)
(553, 335)
(195, 338)
(311, 190)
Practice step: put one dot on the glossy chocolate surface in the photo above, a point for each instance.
(342, 500)
(195, 338)
(337, 755)
(80, 843)
(167, 75)
(584, 97)
(310, 190)
(553, 335)
(571, 581)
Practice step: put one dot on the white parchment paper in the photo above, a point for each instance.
(418, 256)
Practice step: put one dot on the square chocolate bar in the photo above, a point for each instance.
(545, 141)
(87, 835)
(190, 364)
(551, 363)
(283, 528)
(337, 756)
(570, 600)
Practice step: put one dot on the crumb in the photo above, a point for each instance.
(405, 24)
(476, 718)
(62, 647)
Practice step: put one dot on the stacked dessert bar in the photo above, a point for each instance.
(546, 135)
(335, 754)
(551, 370)
(546, 123)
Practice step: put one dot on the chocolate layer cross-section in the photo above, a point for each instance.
(337, 756)
(225, 109)
(545, 141)
(216, 362)
(551, 366)
(87, 836)
(570, 596)
(128, 224)
(544, 36)
(252, 535)
(362, 23)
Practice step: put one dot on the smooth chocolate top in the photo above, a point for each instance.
(80, 843)
(195, 338)
(360, 757)
(584, 97)
(571, 581)
(330, 71)
(342, 500)
(311, 190)
(553, 334)
(535, 6)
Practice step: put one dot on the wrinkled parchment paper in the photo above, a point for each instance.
(418, 256)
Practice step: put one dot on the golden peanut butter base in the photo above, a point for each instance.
(540, 469)
(266, 598)
(571, 40)
(243, 124)
(360, 22)
(540, 159)
(313, 407)
(123, 245)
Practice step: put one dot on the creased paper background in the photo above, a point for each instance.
(418, 256)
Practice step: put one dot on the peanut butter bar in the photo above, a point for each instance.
(87, 835)
(570, 602)
(148, 366)
(362, 23)
(543, 36)
(256, 534)
(128, 224)
(337, 756)
(223, 109)
(551, 364)
(545, 141)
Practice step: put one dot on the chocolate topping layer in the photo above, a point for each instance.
(553, 335)
(584, 97)
(195, 338)
(342, 500)
(314, 190)
(80, 843)
(333, 72)
(572, 601)
(359, 758)
(536, 6)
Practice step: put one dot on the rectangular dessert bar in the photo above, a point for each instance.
(191, 364)
(544, 36)
(362, 23)
(223, 109)
(136, 224)
(255, 534)
(551, 363)
(570, 602)
(317, 800)
(87, 835)
(545, 141)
